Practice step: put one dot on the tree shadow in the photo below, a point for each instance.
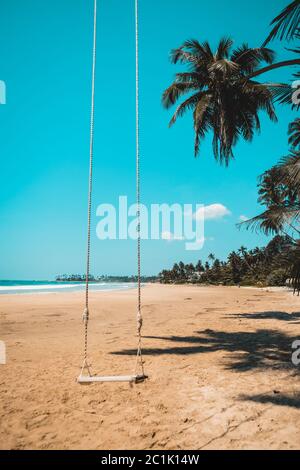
(290, 400)
(261, 349)
(293, 317)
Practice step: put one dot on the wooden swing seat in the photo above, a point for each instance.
(88, 379)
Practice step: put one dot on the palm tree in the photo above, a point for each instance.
(290, 170)
(207, 266)
(279, 192)
(182, 271)
(199, 267)
(243, 252)
(281, 198)
(189, 269)
(216, 265)
(220, 92)
(286, 24)
(175, 272)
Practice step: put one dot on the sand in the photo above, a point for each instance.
(219, 362)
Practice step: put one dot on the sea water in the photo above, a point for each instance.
(30, 287)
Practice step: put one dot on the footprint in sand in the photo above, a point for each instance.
(37, 421)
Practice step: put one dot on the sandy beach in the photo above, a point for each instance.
(218, 359)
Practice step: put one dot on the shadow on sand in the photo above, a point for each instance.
(260, 349)
(290, 400)
(293, 317)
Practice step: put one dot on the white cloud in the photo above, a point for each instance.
(243, 218)
(213, 211)
(170, 237)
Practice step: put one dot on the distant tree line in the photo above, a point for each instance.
(104, 278)
(257, 267)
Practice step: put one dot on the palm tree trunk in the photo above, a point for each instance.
(285, 63)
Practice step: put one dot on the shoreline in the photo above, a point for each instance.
(120, 287)
(60, 288)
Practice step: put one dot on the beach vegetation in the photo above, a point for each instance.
(266, 266)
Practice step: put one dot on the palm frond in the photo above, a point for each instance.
(188, 104)
(286, 24)
(285, 94)
(249, 58)
(289, 168)
(249, 125)
(263, 97)
(181, 56)
(207, 49)
(294, 133)
(295, 51)
(269, 222)
(281, 199)
(191, 51)
(186, 77)
(175, 91)
(224, 47)
(296, 74)
(201, 120)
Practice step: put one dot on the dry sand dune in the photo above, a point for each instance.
(219, 361)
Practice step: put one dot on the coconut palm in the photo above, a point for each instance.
(279, 192)
(221, 95)
(235, 264)
(282, 203)
(199, 268)
(211, 257)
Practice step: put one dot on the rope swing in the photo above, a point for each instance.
(139, 374)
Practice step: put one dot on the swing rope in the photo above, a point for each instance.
(139, 359)
(90, 190)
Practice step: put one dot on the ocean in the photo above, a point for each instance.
(30, 287)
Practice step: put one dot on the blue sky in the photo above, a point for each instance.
(45, 51)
